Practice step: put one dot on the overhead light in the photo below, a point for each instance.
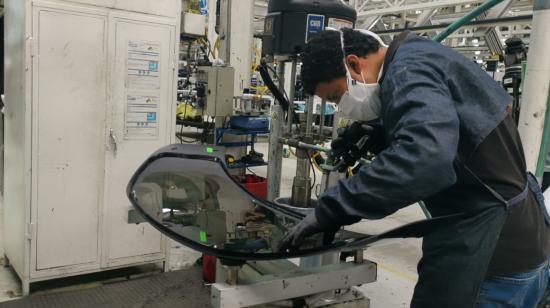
(479, 61)
(477, 52)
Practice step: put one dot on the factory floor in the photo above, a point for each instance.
(396, 260)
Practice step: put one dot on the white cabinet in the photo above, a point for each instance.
(68, 112)
(90, 93)
(133, 146)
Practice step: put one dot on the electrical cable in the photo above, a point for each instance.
(314, 160)
(205, 41)
(216, 46)
(254, 173)
(189, 50)
(268, 81)
(209, 47)
(314, 181)
(292, 152)
(181, 134)
(275, 73)
(314, 174)
(281, 97)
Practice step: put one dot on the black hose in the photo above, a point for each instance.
(272, 87)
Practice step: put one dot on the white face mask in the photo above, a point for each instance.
(361, 102)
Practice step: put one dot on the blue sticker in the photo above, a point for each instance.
(315, 24)
(153, 66)
(151, 116)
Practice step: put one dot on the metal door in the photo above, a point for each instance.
(141, 120)
(69, 94)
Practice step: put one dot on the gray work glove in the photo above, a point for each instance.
(304, 229)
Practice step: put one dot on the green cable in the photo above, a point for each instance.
(465, 19)
(544, 142)
(424, 209)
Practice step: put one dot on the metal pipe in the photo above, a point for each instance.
(232, 274)
(309, 116)
(275, 165)
(494, 21)
(301, 187)
(331, 178)
(291, 91)
(322, 119)
(302, 145)
(303, 170)
(465, 19)
(281, 77)
(536, 89)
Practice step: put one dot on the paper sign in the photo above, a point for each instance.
(141, 121)
(143, 65)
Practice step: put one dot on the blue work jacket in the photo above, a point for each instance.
(437, 107)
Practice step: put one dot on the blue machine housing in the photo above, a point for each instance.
(249, 123)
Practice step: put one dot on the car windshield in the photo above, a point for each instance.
(186, 192)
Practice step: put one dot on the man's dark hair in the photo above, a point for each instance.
(322, 59)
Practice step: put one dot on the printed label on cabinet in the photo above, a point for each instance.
(142, 117)
(143, 65)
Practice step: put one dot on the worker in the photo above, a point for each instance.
(448, 141)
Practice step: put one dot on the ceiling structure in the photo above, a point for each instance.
(511, 18)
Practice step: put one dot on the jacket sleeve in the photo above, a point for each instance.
(423, 131)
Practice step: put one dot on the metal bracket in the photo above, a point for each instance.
(30, 231)
(114, 141)
(292, 284)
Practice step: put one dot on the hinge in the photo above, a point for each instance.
(32, 46)
(175, 62)
(30, 231)
(31, 51)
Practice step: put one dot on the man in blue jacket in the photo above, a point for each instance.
(450, 142)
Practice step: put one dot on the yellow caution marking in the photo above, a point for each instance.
(397, 273)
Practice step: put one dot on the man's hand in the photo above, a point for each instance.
(356, 140)
(304, 229)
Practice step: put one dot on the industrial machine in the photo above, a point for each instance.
(215, 90)
(287, 27)
(290, 23)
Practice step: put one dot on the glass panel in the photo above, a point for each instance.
(189, 196)
(197, 200)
